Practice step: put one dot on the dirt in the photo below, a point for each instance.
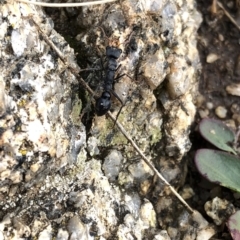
(219, 36)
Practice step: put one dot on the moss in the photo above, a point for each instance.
(76, 110)
(155, 134)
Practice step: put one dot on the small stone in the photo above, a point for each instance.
(153, 69)
(212, 57)
(216, 207)
(92, 146)
(200, 99)
(145, 186)
(5, 174)
(221, 37)
(16, 177)
(221, 112)
(209, 105)
(148, 214)
(140, 170)
(235, 108)
(34, 167)
(12, 191)
(46, 234)
(178, 78)
(28, 176)
(112, 164)
(203, 113)
(163, 235)
(187, 192)
(233, 89)
(18, 41)
(77, 229)
(62, 234)
(230, 123)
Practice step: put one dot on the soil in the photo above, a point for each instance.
(218, 37)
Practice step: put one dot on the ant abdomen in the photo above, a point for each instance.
(103, 104)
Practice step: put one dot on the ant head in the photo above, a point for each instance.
(103, 104)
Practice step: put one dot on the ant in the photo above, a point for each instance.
(103, 103)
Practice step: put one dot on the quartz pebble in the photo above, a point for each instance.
(221, 112)
(212, 57)
(209, 105)
(233, 89)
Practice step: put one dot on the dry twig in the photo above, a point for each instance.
(43, 4)
(228, 15)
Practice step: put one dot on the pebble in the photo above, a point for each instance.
(233, 89)
(221, 112)
(212, 57)
(154, 69)
(178, 78)
(140, 170)
(77, 229)
(209, 105)
(34, 167)
(92, 146)
(203, 113)
(235, 108)
(16, 177)
(230, 123)
(18, 41)
(46, 234)
(163, 235)
(216, 207)
(112, 164)
(187, 192)
(148, 215)
(200, 99)
(62, 234)
(221, 37)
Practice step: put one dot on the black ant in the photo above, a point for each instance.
(103, 104)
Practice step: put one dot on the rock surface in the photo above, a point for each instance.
(58, 177)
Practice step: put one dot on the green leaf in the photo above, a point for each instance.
(218, 134)
(233, 225)
(219, 167)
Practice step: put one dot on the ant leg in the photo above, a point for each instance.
(118, 115)
(120, 100)
(122, 75)
(119, 76)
